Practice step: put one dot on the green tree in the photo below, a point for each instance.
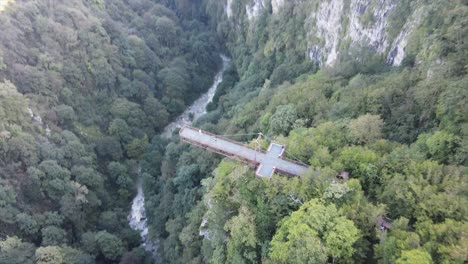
(445, 241)
(109, 148)
(53, 236)
(53, 218)
(7, 195)
(419, 256)
(103, 73)
(55, 182)
(398, 240)
(49, 255)
(118, 128)
(362, 164)
(283, 119)
(27, 224)
(302, 246)
(366, 128)
(117, 169)
(109, 221)
(14, 251)
(88, 243)
(137, 147)
(157, 114)
(175, 81)
(13, 106)
(87, 176)
(23, 148)
(166, 30)
(243, 242)
(76, 256)
(441, 146)
(327, 231)
(73, 209)
(129, 111)
(109, 245)
(66, 114)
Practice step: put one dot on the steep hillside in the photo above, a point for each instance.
(371, 94)
(84, 86)
(376, 89)
(281, 40)
(328, 31)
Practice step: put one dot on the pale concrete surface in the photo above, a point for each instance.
(269, 161)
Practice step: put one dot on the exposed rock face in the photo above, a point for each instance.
(38, 121)
(276, 5)
(256, 6)
(332, 23)
(329, 26)
(254, 9)
(315, 54)
(328, 23)
(397, 51)
(228, 8)
(374, 34)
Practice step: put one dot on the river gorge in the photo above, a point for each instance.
(137, 217)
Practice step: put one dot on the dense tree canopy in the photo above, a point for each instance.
(87, 86)
(84, 86)
(312, 234)
(399, 133)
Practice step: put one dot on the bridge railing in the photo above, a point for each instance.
(220, 137)
(233, 156)
(220, 151)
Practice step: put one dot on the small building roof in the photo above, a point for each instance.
(344, 175)
(384, 222)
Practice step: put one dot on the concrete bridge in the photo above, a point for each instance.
(266, 163)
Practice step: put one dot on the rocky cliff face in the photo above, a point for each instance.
(397, 51)
(370, 31)
(276, 5)
(228, 8)
(332, 24)
(254, 8)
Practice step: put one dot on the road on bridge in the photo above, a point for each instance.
(267, 162)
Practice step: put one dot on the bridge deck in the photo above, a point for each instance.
(267, 162)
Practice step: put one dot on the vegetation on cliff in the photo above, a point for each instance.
(106, 76)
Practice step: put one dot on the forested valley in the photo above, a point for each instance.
(374, 90)
(100, 79)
